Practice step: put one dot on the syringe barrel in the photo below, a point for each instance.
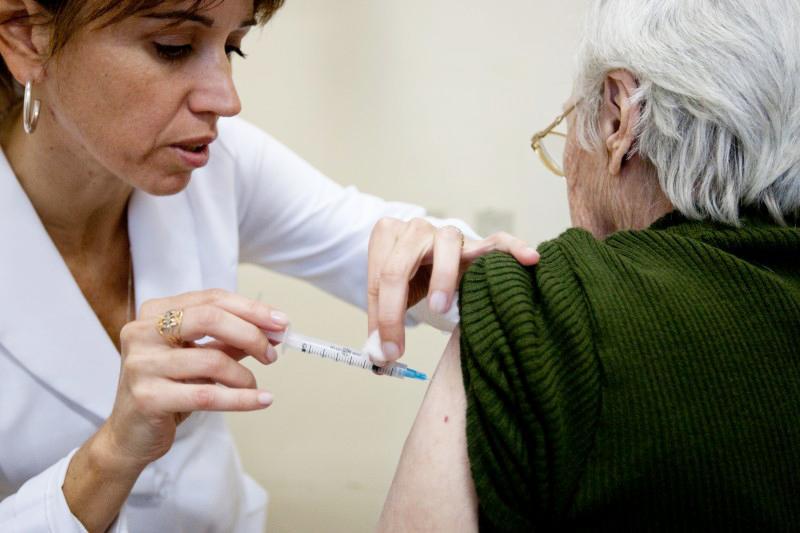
(395, 370)
(334, 352)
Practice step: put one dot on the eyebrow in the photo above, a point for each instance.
(182, 16)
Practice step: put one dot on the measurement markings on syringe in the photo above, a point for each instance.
(344, 355)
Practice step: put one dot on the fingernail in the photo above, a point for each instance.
(272, 354)
(531, 251)
(372, 349)
(391, 350)
(265, 398)
(438, 302)
(279, 318)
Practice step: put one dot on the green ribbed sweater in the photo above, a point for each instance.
(646, 382)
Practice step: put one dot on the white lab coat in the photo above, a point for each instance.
(255, 202)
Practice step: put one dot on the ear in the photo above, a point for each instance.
(618, 117)
(23, 39)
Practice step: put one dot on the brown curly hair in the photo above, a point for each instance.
(67, 16)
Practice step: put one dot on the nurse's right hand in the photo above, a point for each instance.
(161, 384)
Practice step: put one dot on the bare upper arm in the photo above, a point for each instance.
(432, 488)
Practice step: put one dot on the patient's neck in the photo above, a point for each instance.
(631, 200)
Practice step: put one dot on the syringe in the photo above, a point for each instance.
(342, 354)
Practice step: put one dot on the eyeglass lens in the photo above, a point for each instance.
(553, 147)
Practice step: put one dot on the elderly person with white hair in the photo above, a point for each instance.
(645, 374)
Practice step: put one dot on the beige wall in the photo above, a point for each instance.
(426, 101)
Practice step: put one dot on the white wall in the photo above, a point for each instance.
(426, 101)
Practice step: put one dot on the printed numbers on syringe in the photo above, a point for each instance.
(340, 356)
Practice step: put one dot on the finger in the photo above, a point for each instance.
(182, 398)
(445, 273)
(259, 313)
(236, 354)
(204, 364)
(146, 331)
(403, 261)
(383, 238)
(211, 321)
(501, 242)
(525, 254)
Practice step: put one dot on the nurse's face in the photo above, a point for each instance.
(140, 99)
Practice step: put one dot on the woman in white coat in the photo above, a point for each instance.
(124, 186)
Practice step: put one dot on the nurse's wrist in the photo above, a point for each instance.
(98, 481)
(109, 456)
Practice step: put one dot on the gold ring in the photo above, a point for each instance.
(169, 326)
(460, 233)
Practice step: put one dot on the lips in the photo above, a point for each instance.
(192, 148)
(194, 152)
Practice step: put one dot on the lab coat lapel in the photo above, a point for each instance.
(164, 244)
(46, 324)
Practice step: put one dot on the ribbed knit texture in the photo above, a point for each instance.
(647, 382)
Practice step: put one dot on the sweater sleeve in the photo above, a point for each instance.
(533, 386)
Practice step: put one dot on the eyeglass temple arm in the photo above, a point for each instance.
(542, 134)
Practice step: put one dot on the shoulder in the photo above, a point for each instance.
(240, 138)
(237, 168)
(514, 292)
(235, 131)
(531, 377)
(238, 146)
(519, 303)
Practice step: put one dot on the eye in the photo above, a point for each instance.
(230, 49)
(173, 52)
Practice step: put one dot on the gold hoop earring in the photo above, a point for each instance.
(30, 110)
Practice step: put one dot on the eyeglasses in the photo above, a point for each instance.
(549, 144)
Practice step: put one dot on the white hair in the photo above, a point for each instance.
(719, 86)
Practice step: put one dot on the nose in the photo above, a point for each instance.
(215, 92)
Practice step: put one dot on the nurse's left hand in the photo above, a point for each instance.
(411, 260)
